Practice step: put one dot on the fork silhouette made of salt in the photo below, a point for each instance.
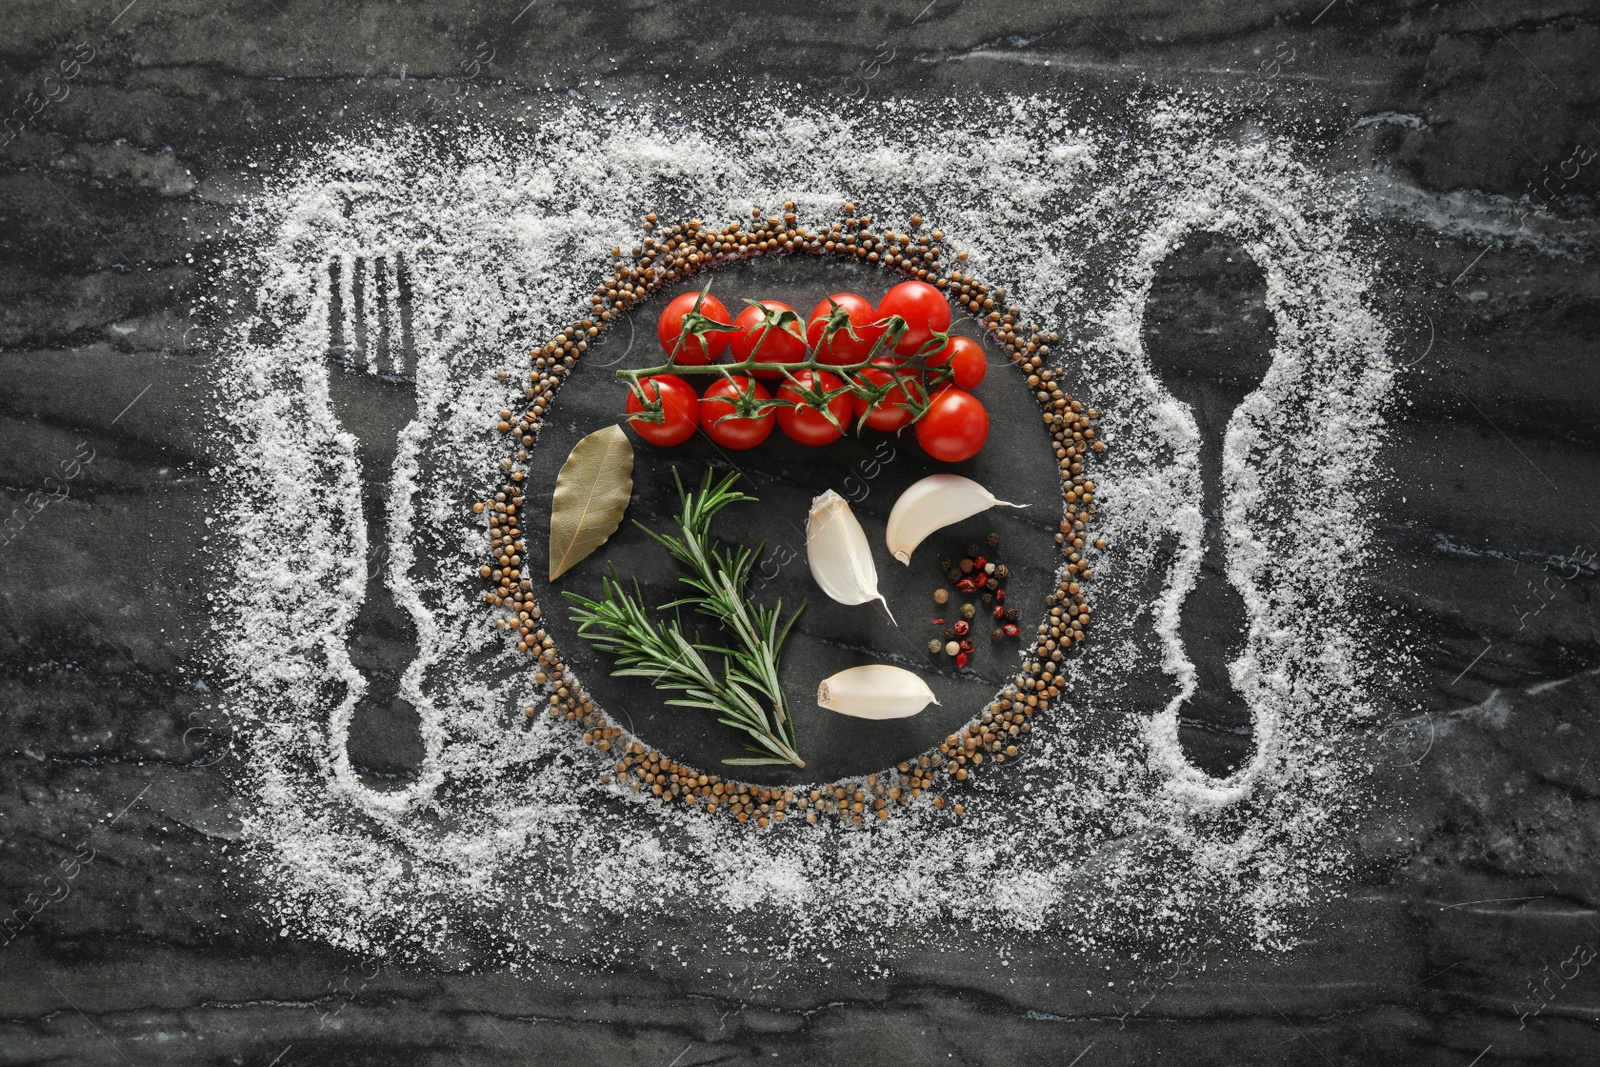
(372, 388)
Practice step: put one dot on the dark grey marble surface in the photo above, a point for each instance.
(1476, 899)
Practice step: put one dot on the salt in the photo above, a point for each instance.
(508, 841)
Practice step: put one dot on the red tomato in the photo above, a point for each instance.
(720, 418)
(807, 424)
(924, 309)
(967, 361)
(697, 348)
(885, 414)
(679, 407)
(955, 427)
(854, 314)
(771, 332)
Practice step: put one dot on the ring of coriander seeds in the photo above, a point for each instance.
(670, 254)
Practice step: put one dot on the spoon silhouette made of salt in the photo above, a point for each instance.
(1209, 341)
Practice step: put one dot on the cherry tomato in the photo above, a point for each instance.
(885, 414)
(955, 427)
(696, 349)
(720, 419)
(807, 424)
(924, 309)
(835, 345)
(967, 361)
(772, 333)
(679, 406)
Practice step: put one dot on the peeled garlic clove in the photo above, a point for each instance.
(875, 691)
(933, 503)
(840, 557)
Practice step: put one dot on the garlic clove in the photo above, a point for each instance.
(839, 553)
(931, 504)
(875, 691)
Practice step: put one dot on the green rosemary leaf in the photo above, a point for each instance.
(748, 695)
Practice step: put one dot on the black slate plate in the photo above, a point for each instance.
(1017, 464)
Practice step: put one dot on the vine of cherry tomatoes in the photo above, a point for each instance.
(883, 367)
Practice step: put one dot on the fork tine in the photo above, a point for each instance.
(369, 312)
(382, 313)
(333, 280)
(406, 351)
(349, 306)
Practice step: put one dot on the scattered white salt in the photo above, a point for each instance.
(508, 843)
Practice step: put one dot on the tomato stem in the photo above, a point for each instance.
(917, 386)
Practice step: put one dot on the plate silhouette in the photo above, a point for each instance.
(871, 471)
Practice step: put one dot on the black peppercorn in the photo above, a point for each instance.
(953, 574)
(972, 551)
(1012, 614)
(996, 634)
(993, 540)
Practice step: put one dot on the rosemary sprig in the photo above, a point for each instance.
(747, 695)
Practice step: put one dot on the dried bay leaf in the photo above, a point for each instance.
(592, 492)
